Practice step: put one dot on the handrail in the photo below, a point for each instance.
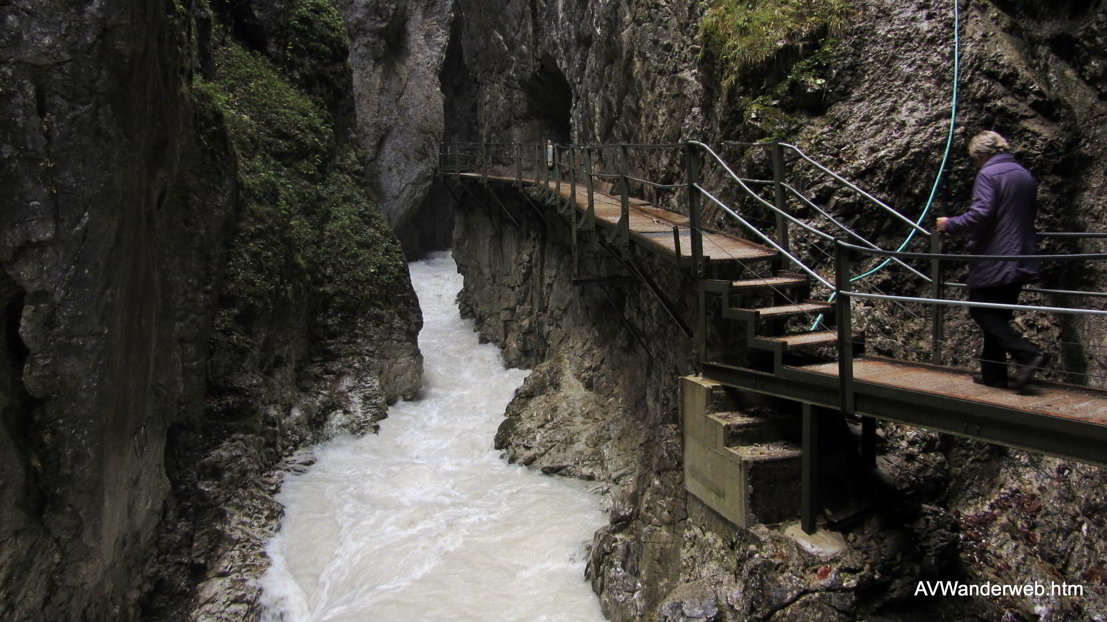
(966, 303)
(844, 293)
(753, 194)
(1072, 234)
(481, 151)
(972, 258)
(655, 184)
(849, 231)
(1039, 290)
(764, 237)
(857, 189)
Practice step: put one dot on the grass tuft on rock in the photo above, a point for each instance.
(744, 34)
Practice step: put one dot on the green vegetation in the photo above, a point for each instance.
(766, 114)
(743, 34)
(307, 234)
(316, 48)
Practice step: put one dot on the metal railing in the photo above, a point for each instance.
(844, 259)
(553, 165)
(592, 167)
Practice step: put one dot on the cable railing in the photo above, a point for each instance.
(482, 157)
(845, 182)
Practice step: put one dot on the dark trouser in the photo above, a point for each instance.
(999, 336)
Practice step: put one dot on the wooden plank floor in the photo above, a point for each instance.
(650, 225)
(1051, 399)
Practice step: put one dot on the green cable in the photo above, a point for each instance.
(945, 156)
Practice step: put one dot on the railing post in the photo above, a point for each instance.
(809, 470)
(693, 166)
(590, 221)
(557, 175)
(547, 164)
(624, 203)
(483, 163)
(781, 198)
(573, 211)
(937, 291)
(457, 162)
(518, 150)
(538, 163)
(573, 181)
(842, 267)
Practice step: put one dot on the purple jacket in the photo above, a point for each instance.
(1001, 221)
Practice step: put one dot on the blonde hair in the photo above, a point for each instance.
(987, 144)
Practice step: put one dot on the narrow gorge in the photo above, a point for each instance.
(211, 205)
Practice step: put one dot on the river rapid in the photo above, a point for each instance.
(425, 520)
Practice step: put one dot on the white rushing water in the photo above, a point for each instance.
(425, 521)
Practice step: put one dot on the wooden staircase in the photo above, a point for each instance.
(776, 315)
(738, 462)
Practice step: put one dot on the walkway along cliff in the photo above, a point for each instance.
(869, 99)
(740, 457)
(196, 280)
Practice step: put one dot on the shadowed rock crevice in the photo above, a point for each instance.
(397, 50)
(549, 100)
(22, 495)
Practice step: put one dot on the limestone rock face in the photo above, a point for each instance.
(111, 233)
(397, 49)
(134, 466)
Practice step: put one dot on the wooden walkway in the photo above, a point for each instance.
(649, 225)
(772, 351)
(1045, 398)
(1062, 420)
(1058, 419)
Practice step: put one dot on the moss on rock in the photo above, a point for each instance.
(307, 234)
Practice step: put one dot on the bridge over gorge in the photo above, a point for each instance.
(793, 315)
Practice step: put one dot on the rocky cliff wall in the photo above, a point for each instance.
(869, 96)
(397, 52)
(194, 284)
(108, 273)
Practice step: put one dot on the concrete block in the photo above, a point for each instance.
(735, 428)
(772, 480)
(755, 481)
(695, 399)
(716, 479)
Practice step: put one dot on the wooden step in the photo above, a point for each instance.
(778, 311)
(805, 340)
(781, 281)
(803, 308)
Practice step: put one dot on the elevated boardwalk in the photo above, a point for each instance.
(801, 350)
(650, 226)
(1058, 419)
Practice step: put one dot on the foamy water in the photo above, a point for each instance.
(425, 521)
